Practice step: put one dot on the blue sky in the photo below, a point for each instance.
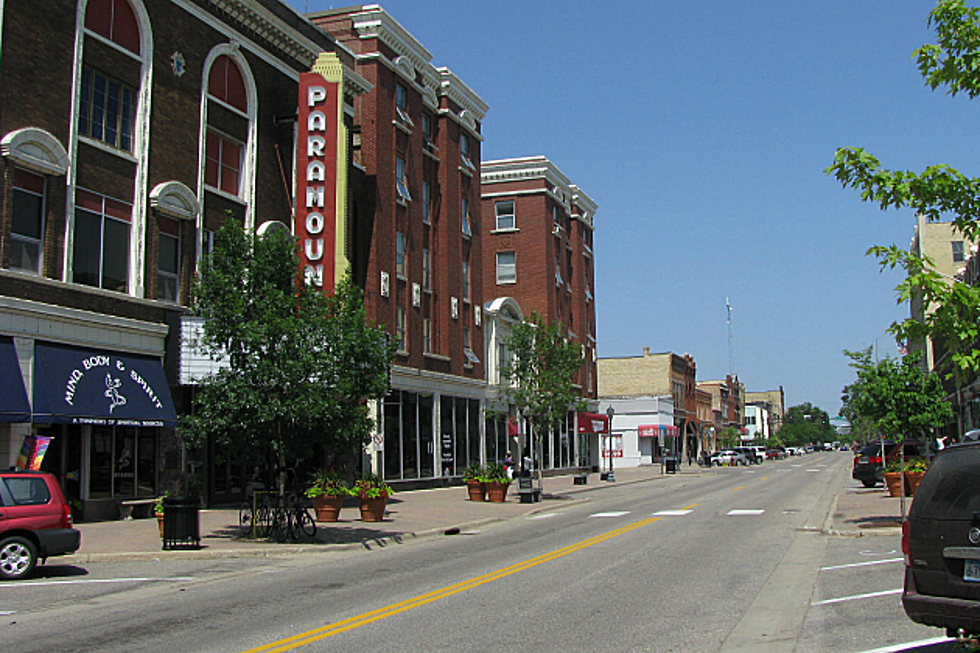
(702, 131)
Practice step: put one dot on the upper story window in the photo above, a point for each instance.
(401, 105)
(958, 252)
(506, 267)
(465, 217)
(464, 152)
(426, 201)
(225, 83)
(115, 21)
(401, 180)
(426, 270)
(101, 241)
(505, 214)
(558, 279)
(401, 247)
(401, 331)
(426, 335)
(428, 133)
(466, 280)
(168, 260)
(27, 221)
(223, 162)
(107, 110)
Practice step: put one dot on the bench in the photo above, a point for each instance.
(142, 508)
(527, 492)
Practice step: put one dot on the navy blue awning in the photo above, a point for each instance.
(14, 406)
(73, 385)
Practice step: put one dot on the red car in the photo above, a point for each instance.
(35, 522)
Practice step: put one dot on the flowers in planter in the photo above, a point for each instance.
(372, 486)
(496, 473)
(474, 472)
(325, 482)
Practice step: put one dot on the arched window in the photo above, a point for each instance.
(226, 84)
(116, 21)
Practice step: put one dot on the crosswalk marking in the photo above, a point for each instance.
(740, 513)
(619, 513)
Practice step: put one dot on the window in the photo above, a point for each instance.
(207, 242)
(400, 333)
(465, 217)
(225, 83)
(426, 202)
(505, 214)
(101, 248)
(464, 152)
(106, 110)
(168, 260)
(428, 136)
(558, 279)
(471, 358)
(466, 281)
(401, 180)
(114, 20)
(27, 221)
(426, 270)
(426, 335)
(401, 106)
(958, 254)
(400, 255)
(223, 163)
(506, 267)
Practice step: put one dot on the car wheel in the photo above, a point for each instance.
(868, 483)
(18, 555)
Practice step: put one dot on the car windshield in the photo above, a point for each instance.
(874, 449)
(951, 488)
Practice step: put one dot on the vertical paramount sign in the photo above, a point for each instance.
(321, 180)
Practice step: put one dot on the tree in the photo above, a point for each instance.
(301, 366)
(953, 309)
(806, 424)
(895, 398)
(541, 375)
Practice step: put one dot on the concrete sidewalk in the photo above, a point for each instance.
(412, 515)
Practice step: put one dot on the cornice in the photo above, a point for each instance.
(472, 107)
(376, 23)
(528, 169)
(261, 21)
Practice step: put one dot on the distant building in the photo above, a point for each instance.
(773, 401)
(756, 423)
(727, 402)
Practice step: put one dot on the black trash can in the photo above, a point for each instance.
(181, 523)
(671, 465)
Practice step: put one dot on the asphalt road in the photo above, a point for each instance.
(731, 560)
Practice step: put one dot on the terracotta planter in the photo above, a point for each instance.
(160, 523)
(497, 492)
(327, 507)
(893, 481)
(912, 480)
(477, 490)
(373, 509)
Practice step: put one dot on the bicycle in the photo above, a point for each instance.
(275, 517)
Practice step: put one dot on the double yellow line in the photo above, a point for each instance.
(302, 639)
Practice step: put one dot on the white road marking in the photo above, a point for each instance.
(863, 564)
(546, 515)
(813, 470)
(749, 471)
(83, 581)
(909, 646)
(740, 513)
(868, 552)
(672, 513)
(858, 597)
(610, 514)
(7, 612)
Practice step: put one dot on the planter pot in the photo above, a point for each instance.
(160, 523)
(373, 509)
(477, 490)
(497, 492)
(912, 480)
(893, 481)
(327, 507)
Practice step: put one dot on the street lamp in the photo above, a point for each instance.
(609, 413)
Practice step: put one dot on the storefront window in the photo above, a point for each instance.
(473, 437)
(410, 435)
(393, 420)
(447, 430)
(124, 468)
(426, 464)
(100, 481)
(146, 466)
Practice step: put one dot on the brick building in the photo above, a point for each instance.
(129, 129)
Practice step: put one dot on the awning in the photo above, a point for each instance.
(73, 385)
(656, 430)
(593, 423)
(14, 406)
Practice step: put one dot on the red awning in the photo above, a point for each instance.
(593, 423)
(648, 430)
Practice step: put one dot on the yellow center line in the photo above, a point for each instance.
(351, 623)
(740, 487)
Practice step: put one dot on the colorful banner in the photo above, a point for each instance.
(32, 452)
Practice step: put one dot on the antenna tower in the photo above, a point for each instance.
(731, 340)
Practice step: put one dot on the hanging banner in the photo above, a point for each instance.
(32, 452)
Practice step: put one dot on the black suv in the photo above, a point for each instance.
(941, 543)
(870, 460)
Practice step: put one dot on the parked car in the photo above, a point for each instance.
(35, 522)
(941, 543)
(758, 452)
(871, 460)
(729, 457)
(776, 453)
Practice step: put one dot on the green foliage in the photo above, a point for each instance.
(806, 424)
(728, 437)
(495, 473)
(372, 486)
(940, 190)
(301, 365)
(894, 398)
(326, 482)
(473, 472)
(541, 373)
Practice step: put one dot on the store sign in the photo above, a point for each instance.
(617, 446)
(321, 176)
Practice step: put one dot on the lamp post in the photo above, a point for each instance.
(609, 413)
